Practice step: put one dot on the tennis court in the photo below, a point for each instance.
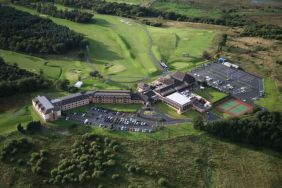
(234, 107)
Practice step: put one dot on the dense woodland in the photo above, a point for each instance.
(15, 80)
(52, 10)
(262, 129)
(23, 32)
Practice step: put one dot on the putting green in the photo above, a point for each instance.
(181, 48)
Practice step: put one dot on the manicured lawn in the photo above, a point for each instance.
(273, 98)
(211, 94)
(30, 63)
(181, 48)
(124, 57)
(161, 107)
(10, 119)
(113, 50)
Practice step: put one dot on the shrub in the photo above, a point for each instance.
(111, 162)
(115, 148)
(115, 176)
(131, 169)
(162, 182)
(97, 174)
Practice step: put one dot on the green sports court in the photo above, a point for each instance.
(234, 107)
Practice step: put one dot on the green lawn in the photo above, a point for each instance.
(161, 107)
(167, 132)
(273, 98)
(181, 48)
(211, 94)
(113, 50)
(10, 119)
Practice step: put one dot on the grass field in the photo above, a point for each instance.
(187, 9)
(181, 48)
(113, 50)
(211, 94)
(273, 98)
(161, 107)
(117, 54)
(14, 110)
(168, 132)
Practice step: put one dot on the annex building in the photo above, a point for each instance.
(175, 90)
(50, 109)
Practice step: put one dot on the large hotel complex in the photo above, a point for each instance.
(177, 90)
(174, 90)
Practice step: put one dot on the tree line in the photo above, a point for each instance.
(129, 10)
(252, 28)
(50, 9)
(229, 18)
(15, 80)
(264, 31)
(23, 32)
(262, 129)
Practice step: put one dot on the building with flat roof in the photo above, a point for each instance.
(175, 91)
(178, 101)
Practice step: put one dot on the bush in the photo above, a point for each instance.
(97, 174)
(279, 61)
(115, 176)
(131, 169)
(162, 182)
(115, 148)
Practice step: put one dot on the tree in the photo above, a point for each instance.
(222, 42)
(33, 126)
(206, 55)
(198, 122)
(162, 182)
(20, 128)
(81, 54)
(64, 84)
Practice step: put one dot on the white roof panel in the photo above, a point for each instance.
(178, 98)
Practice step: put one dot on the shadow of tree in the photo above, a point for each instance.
(102, 22)
(100, 51)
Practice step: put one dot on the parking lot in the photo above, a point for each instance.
(105, 118)
(237, 83)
